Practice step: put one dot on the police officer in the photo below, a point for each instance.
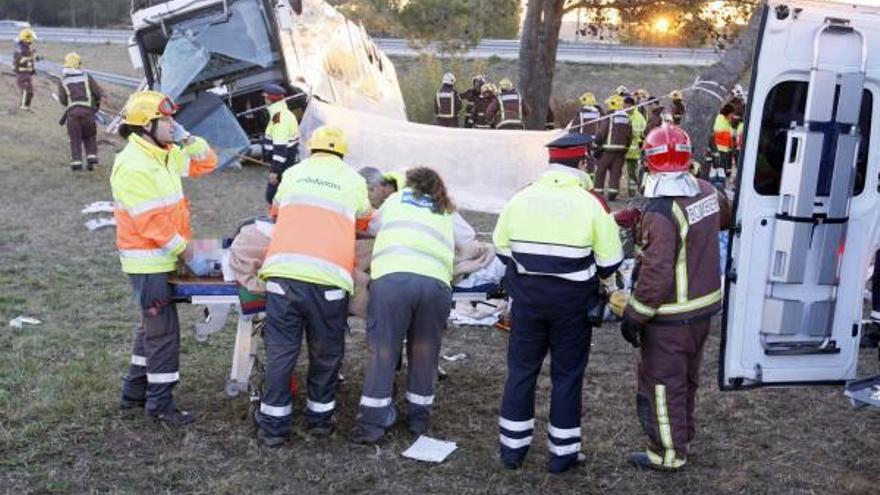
(410, 298)
(634, 152)
(447, 102)
(677, 290)
(508, 110)
(677, 109)
(614, 137)
(308, 273)
(81, 96)
(481, 106)
(152, 233)
(23, 64)
(469, 99)
(556, 240)
(281, 139)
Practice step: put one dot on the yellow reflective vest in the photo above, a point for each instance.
(412, 238)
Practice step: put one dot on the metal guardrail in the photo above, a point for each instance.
(594, 53)
(53, 69)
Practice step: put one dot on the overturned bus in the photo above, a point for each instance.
(213, 56)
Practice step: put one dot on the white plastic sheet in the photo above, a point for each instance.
(482, 168)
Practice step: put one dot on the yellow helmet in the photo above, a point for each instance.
(144, 106)
(27, 35)
(642, 93)
(330, 139)
(486, 88)
(588, 99)
(72, 60)
(505, 84)
(614, 102)
(675, 95)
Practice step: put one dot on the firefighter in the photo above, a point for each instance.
(152, 235)
(469, 99)
(281, 139)
(447, 102)
(588, 115)
(722, 139)
(81, 96)
(738, 102)
(410, 300)
(556, 240)
(613, 137)
(622, 91)
(655, 116)
(641, 98)
(508, 110)
(677, 109)
(487, 96)
(634, 152)
(308, 274)
(24, 61)
(677, 290)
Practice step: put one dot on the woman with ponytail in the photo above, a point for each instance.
(410, 298)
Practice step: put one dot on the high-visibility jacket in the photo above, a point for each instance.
(152, 214)
(677, 275)
(557, 240)
(588, 117)
(615, 132)
(508, 110)
(740, 135)
(447, 103)
(411, 238)
(723, 134)
(78, 89)
(639, 124)
(281, 140)
(398, 178)
(24, 59)
(317, 206)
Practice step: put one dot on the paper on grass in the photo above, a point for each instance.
(429, 449)
(100, 223)
(19, 321)
(98, 207)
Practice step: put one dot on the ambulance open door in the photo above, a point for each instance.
(806, 208)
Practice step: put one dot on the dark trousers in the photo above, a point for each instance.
(610, 163)
(83, 132)
(155, 357)
(294, 308)
(25, 83)
(415, 307)
(669, 375)
(534, 332)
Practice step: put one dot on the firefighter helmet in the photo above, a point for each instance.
(486, 88)
(449, 78)
(330, 139)
(675, 95)
(72, 61)
(479, 80)
(621, 90)
(588, 99)
(27, 35)
(667, 149)
(144, 106)
(614, 102)
(505, 84)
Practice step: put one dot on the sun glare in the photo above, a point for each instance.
(661, 25)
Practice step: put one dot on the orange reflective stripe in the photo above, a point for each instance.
(201, 165)
(330, 235)
(152, 228)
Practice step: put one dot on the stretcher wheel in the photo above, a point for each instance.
(231, 389)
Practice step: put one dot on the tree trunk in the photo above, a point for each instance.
(537, 56)
(702, 107)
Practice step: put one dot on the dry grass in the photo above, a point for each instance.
(60, 431)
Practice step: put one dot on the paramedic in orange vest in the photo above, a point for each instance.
(308, 273)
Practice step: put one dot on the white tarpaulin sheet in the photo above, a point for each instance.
(482, 168)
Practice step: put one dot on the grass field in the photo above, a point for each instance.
(60, 431)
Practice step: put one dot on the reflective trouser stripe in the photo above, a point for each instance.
(569, 449)
(516, 425)
(420, 400)
(515, 443)
(663, 425)
(373, 402)
(163, 377)
(276, 411)
(138, 360)
(320, 407)
(564, 433)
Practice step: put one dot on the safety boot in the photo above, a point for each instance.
(174, 419)
(270, 441)
(126, 403)
(643, 461)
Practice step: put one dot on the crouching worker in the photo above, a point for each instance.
(152, 234)
(410, 298)
(308, 274)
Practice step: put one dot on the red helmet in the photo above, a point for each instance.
(667, 149)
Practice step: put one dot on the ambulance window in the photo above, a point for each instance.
(785, 104)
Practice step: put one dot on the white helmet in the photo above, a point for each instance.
(737, 90)
(449, 78)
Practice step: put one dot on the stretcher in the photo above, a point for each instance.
(220, 298)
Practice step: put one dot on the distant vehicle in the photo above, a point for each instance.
(9, 23)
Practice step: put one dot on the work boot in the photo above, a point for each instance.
(643, 461)
(126, 403)
(320, 430)
(174, 419)
(359, 436)
(76, 166)
(580, 460)
(513, 466)
(90, 167)
(269, 441)
(417, 426)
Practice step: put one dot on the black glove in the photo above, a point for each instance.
(632, 331)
